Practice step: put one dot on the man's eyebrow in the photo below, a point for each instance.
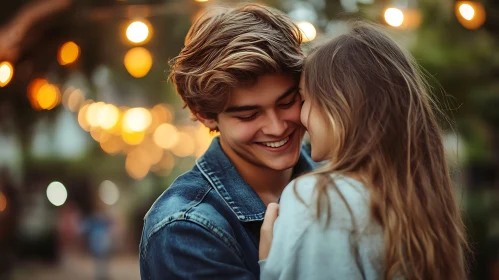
(235, 109)
(291, 90)
(245, 108)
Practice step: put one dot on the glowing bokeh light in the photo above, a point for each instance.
(137, 32)
(68, 53)
(166, 136)
(82, 116)
(57, 193)
(185, 146)
(153, 151)
(467, 11)
(33, 89)
(48, 96)
(308, 31)
(108, 116)
(394, 17)
(93, 113)
(109, 192)
(138, 62)
(6, 73)
(136, 120)
(75, 99)
(137, 164)
(471, 14)
(99, 134)
(133, 137)
(113, 145)
(165, 166)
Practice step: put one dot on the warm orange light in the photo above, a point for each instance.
(113, 145)
(136, 119)
(138, 31)
(166, 136)
(93, 113)
(99, 134)
(108, 116)
(308, 31)
(137, 163)
(33, 89)
(68, 53)
(6, 73)
(186, 145)
(133, 137)
(160, 114)
(82, 116)
(394, 17)
(3, 202)
(48, 96)
(154, 153)
(138, 62)
(203, 139)
(75, 99)
(470, 14)
(165, 165)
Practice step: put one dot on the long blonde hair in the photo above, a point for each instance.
(374, 96)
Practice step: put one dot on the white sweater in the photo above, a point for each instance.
(303, 248)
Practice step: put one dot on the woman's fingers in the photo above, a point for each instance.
(266, 232)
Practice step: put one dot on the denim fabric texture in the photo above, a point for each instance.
(206, 225)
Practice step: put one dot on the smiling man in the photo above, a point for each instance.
(238, 73)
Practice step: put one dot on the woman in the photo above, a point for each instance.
(383, 205)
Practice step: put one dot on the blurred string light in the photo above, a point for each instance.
(6, 73)
(108, 116)
(109, 192)
(68, 53)
(48, 96)
(470, 14)
(3, 202)
(133, 137)
(146, 137)
(136, 120)
(166, 136)
(138, 62)
(82, 116)
(93, 113)
(394, 17)
(137, 164)
(307, 30)
(201, 0)
(43, 95)
(113, 145)
(165, 166)
(186, 146)
(138, 31)
(75, 99)
(57, 193)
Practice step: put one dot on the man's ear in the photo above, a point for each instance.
(212, 124)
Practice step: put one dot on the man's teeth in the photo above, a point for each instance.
(276, 144)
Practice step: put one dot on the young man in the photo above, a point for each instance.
(238, 73)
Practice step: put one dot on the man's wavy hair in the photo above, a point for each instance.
(231, 47)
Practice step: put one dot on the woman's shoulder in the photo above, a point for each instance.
(337, 185)
(347, 197)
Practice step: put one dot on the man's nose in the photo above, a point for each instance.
(275, 124)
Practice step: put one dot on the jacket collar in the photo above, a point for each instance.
(217, 168)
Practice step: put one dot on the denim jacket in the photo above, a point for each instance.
(206, 225)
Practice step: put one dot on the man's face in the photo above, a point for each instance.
(261, 125)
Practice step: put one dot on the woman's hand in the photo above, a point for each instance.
(267, 230)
